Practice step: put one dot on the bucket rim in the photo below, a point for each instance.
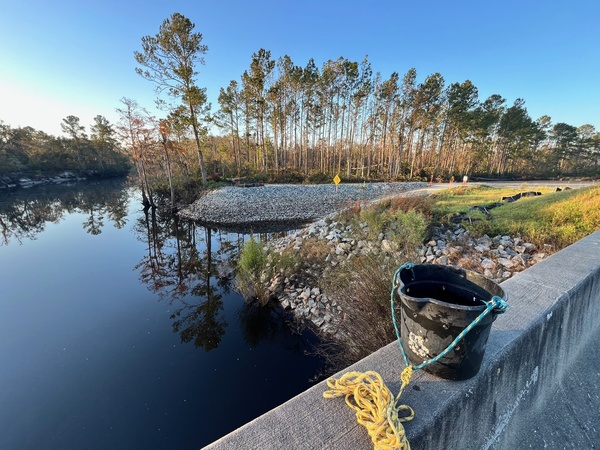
(456, 271)
(480, 307)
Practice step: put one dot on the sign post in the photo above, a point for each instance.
(336, 180)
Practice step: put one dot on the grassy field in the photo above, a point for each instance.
(555, 218)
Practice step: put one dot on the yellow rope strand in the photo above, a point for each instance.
(375, 406)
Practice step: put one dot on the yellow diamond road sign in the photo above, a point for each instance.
(336, 180)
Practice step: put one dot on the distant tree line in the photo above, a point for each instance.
(343, 119)
(26, 150)
(282, 121)
(285, 122)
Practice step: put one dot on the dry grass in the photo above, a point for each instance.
(351, 212)
(419, 203)
(314, 250)
(362, 289)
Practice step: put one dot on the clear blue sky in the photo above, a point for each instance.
(65, 57)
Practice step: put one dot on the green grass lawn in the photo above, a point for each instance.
(556, 218)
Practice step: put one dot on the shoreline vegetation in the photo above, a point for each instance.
(334, 275)
(29, 157)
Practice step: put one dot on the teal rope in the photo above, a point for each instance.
(392, 295)
(496, 303)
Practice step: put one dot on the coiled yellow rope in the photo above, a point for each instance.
(375, 406)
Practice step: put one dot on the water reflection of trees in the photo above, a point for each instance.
(189, 266)
(24, 213)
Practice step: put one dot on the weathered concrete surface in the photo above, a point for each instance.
(530, 363)
(570, 416)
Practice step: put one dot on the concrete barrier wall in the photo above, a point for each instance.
(554, 315)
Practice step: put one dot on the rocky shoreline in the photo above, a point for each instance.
(23, 180)
(497, 258)
(253, 208)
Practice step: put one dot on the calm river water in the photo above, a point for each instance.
(120, 330)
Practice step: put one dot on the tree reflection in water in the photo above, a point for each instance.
(24, 213)
(182, 268)
(186, 264)
(191, 267)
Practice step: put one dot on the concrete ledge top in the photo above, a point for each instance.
(553, 307)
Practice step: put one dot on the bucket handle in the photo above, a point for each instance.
(496, 304)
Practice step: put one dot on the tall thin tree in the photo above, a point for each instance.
(169, 59)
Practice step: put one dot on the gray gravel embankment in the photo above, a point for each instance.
(232, 207)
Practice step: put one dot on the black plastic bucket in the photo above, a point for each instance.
(437, 304)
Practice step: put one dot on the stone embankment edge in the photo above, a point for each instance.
(27, 180)
(553, 316)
